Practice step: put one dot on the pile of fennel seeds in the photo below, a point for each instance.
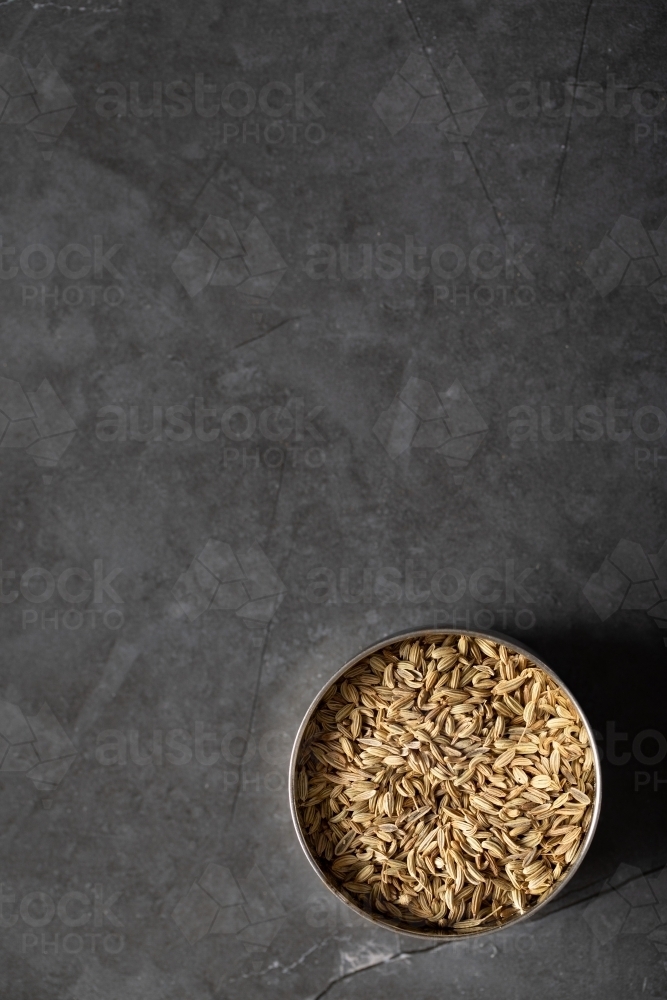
(445, 783)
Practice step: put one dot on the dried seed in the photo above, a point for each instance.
(467, 796)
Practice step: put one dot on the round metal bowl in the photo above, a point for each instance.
(394, 924)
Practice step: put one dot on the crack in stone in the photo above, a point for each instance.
(398, 957)
(403, 955)
(569, 121)
(464, 144)
(595, 895)
(264, 643)
(320, 944)
(420, 951)
(277, 966)
(69, 9)
(265, 333)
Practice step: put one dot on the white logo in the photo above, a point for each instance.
(631, 903)
(35, 421)
(36, 746)
(219, 903)
(419, 417)
(414, 96)
(36, 98)
(217, 255)
(632, 581)
(218, 581)
(630, 256)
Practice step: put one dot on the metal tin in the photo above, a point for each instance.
(397, 925)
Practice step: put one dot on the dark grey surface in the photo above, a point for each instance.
(341, 514)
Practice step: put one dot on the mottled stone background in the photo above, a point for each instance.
(320, 321)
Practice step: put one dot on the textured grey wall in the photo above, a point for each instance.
(320, 320)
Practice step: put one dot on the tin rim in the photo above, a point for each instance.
(394, 924)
